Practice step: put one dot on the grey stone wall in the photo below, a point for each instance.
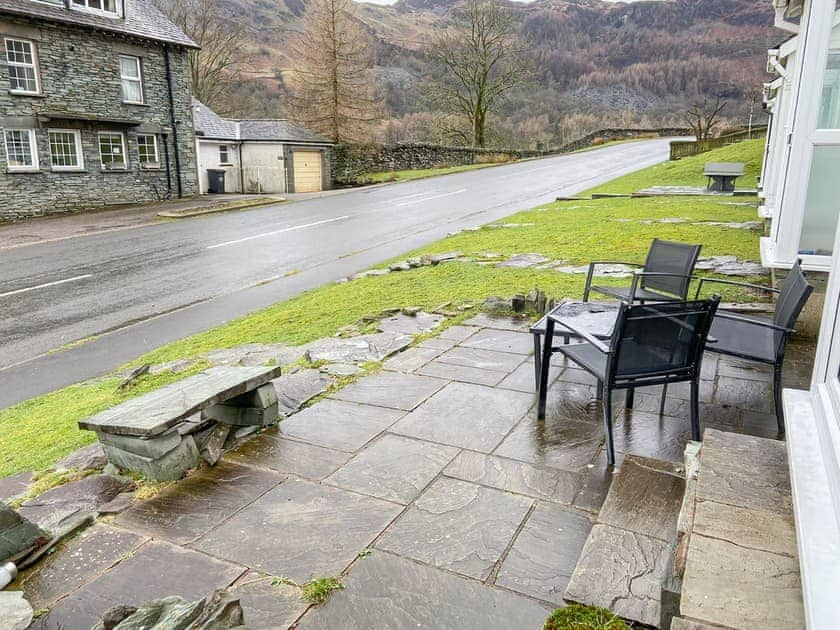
(80, 89)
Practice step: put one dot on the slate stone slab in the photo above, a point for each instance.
(484, 320)
(339, 425)
(302, 530)
(754, 529)
(390, 593)
(293, 390)
(744, 394)
(597, 478)
(459, 333)
(482, 359)
(268, 606)
(391, 389)
(476, 376)
(501, 341)
(288, 456)
(152, 447)
(359, 349)
(650, 435)
(743, 588)
(522, 378)
(545, 553)
(394, 468)
(157, 411)
(156, 570)
(744, 471)
(563, 443)
(469, 416)
(90, 457)
(524, 261)
(622, 571)
(341, 369)
(410, 324)
(644, 499)
(575, 402)
(411, 359)
(53, 509)
(14, 485)
(458, 526)
(550, 484)
(78, 562)
(189, 509)
(439, 343)
(18, 536)
(169, 467)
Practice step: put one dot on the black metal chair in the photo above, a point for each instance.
(652, 344)
(666, 274)
(762, 340)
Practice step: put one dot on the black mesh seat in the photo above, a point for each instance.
(651, 344)
(762, 340)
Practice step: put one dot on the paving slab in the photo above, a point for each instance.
(438, 343)
(90, 457)
(522, 378)
(550, 484)
(458, 526)
(596, 479)
(463, 374)
(468, 416)
(501, 341)
(622, 571)
(734, 367)
(293, 390)
(395, 468)
(188, 509)
(575, 375)
(743, 588)
(268, 606)
(753, 529)
(300, 530)
(644, 499)
(79, 561)
(651, 435)
(482, 359)
(484, 320)
(339, 425)
(18, 535)
(391, 389)
(745, 394)
(564, 443)
(545, 553)
(411, 359)
(410, 324)
(15, 485)
(390, 593)
(157, 569)
(459, 333)
(573, 401)
(268, 450)
(359, 349)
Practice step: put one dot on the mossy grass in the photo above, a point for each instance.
(318, 590)
(579, 617)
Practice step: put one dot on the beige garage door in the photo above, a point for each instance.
(307, 167)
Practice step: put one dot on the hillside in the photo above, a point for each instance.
(596, 63)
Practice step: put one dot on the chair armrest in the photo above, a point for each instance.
(585, 334)
(746, 285)
(591, 272)
(754, 322)
(653, 274)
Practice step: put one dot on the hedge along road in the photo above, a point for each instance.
(136, 289)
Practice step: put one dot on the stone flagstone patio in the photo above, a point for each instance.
(429, 488)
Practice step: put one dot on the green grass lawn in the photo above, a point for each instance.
(36, 433)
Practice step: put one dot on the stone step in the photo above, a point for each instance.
(627, 553)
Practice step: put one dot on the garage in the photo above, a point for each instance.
(306, 166)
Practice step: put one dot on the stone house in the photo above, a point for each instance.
(259, 156)
(94, 106)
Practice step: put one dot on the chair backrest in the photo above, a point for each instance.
(670, 257)
(795, 292)
(660, 338)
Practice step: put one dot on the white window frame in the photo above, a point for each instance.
(80, 156)
(84, 5)
(156, 162)
(102, 164)
(35, 65)
(33, 148)
(226, 162)
(138, 79)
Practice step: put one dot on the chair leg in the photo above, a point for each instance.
(777, 397)
(695, 410)
(662, 400)
(599, 391)
(537, 362)
(629, 396)
(545, 365)
(606, 403)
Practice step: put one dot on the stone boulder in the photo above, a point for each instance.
(15, 611)
(219, 611)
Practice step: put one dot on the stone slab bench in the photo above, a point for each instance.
(722, 175)
(160, 434)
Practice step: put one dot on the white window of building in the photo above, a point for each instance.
(22, 62)
(131, 79)
(148, 150)
(66, 149)
(112, 150)
(224, 154)
(112, 8)
(21, 149)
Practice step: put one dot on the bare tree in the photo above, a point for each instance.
(222, 56)
(703, 117)
(332, 85)
(479, 63)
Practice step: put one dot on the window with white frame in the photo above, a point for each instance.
(112, 150)
(131, 79)
(65, 149)
(108, 7)
(148, 150)
(22, 63)
(21, 149)
(224, 154)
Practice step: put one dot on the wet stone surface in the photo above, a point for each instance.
(268, 606)
(481, 359)
(14, 485)
(287, 456)
(293, 390)
(501, 341)
(463, 374)
(391, 389)
(411, 359)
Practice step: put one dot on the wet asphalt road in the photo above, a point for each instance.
(139, 288)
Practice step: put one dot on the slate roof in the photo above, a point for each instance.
(208, 124)
(142, 19)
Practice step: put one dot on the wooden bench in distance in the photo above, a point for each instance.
(722, 175)
(160, 434)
